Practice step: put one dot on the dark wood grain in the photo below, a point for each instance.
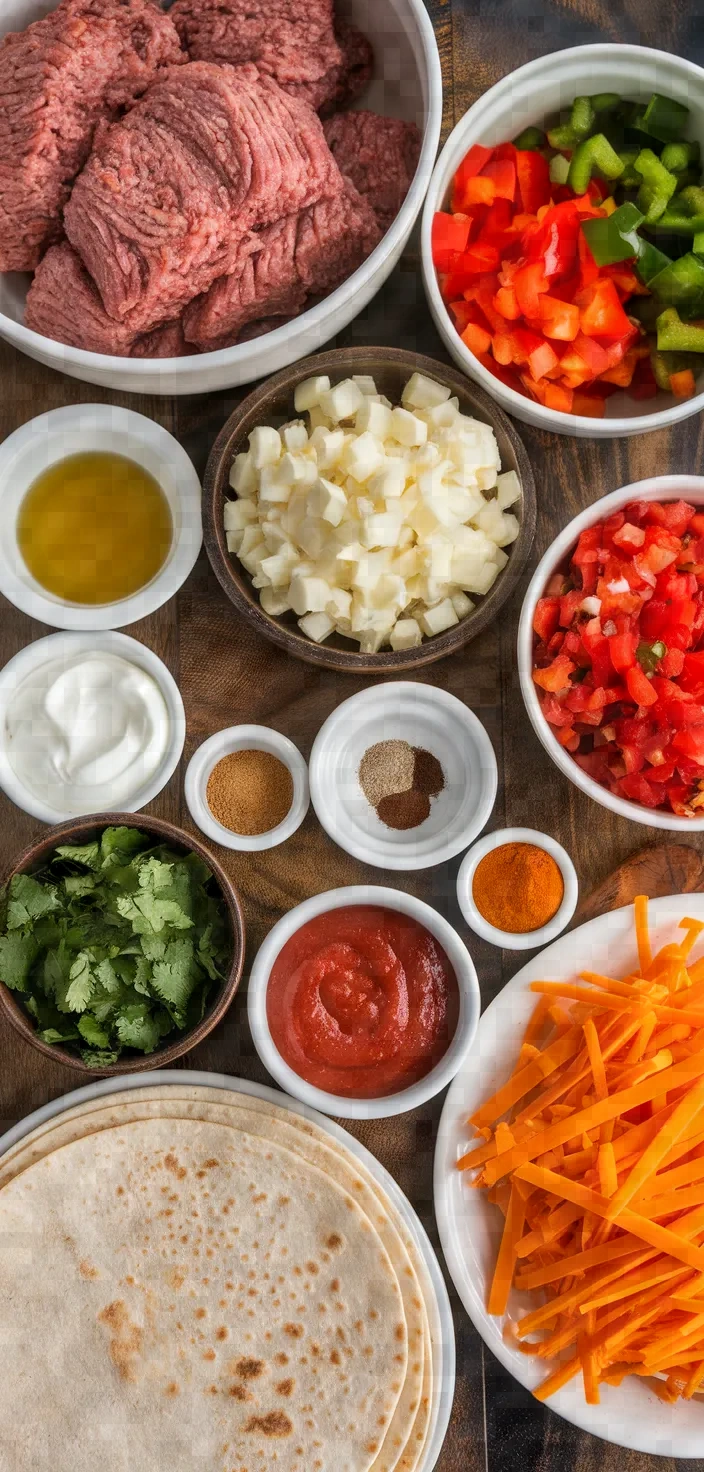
(228, 673)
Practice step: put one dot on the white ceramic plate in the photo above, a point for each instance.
(438, 1303)
(470, 1228)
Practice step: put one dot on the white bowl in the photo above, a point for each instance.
(407, 84)
(245, 738)
(57, 648)
(458, 956)
(429, 718)
(658, 488)
(76, 430)
(509, 940)
(521, 99)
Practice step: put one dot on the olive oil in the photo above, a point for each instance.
(94, 528)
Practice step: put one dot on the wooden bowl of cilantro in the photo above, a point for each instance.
(121, 943)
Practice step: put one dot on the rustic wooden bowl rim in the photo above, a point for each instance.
(256, 408)
(167, 832)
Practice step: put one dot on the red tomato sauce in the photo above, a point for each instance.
(362, 1001)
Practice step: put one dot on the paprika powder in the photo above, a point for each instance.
(517, 887)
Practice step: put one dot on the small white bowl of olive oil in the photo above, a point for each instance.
(101, 517)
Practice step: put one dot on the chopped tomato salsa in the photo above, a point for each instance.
(618, 658)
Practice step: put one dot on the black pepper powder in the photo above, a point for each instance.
(428, 775)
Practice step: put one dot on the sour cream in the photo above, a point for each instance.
(86, 733)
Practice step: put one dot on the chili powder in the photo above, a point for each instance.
(517, 887)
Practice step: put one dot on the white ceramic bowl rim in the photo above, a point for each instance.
(401, 850)
(324, 311)
(239, 738)
(655, 488)
(510, 940)
(136, 437)
(107, 641)
(506, 90)
(458, 956)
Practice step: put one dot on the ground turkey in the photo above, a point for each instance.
(379, 154)
(170, 191)
(312, 252)
(63, 303)
(292, 41)
(81, 63)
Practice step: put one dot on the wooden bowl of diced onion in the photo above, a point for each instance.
(444, 625)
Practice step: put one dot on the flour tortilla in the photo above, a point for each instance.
(121, 1344)
(407, 1434)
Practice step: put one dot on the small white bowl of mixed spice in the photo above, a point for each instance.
(403, 776)
(247, 788)
(517, 888)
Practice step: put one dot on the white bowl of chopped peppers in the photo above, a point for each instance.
(563, 241)
(611, 652)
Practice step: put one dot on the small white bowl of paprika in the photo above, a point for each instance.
(517, 888)
(247, 788)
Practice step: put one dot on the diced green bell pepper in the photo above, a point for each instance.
(629, 178)
(678, 157)
(578, 126)
(663, 118)
(594, 154)
(663, 364)
(530, 138)
(685, 212)
(681, 284)
(559, 169)
(657, 188)
(646, 310)
(698, 244)
(676, 336)
(615, 237)
(605, 101)
(650, 261)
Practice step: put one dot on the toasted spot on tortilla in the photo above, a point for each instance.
(335, 1357)
(175, 1278)
(172, 1389)
(222, 1332)
(238, 1392)
(209, 1354)
(126, 1340)
(280, 1359)
(312, 1267)
(284, 1387)
(274, 1423)
(400, 1331)
(171, 1162)
(201, 1313)
(335, 1288)
(249, 1369)
(87, 1270)
(294, 1331)
(333, 1241)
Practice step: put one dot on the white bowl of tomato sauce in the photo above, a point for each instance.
(531, 98)
(363, 1002)
(618, 701)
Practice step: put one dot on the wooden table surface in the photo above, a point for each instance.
(226, 676)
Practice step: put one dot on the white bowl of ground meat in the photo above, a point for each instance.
(193, 196)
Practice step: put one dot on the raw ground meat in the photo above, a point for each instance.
(84, 61)
(164, 342)
(169, 192)
(292, 41)
(312, 252)
(64, 304)
(380, 155)
(343, 84)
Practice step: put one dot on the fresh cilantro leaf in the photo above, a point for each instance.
(153, 947)
(82, 984)
(93, 1032)
(136, 1028)
(174, 978)
(142, 975)
(149, 914)
(154, 874)
(17, 956)
(108, 977)
(207, 956)
(99, 1059)
(80, 853)
(28, 901)
(76, 885)
(53, 1035)
(123, 842)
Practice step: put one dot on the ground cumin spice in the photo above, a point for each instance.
(249, 792)
(517, 887)
(399, 780)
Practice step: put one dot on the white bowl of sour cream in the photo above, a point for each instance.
(89, 723)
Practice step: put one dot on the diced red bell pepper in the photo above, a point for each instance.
(601, 312)
(502, 173)
(569, 738)
(672, 664)
(659, 550)
(690, 742)
(597, 647)
(637, 788)
(449, 237)
(692, 674)
(629, 538)
(476, 339)
(554, 240)
(592, 406)
(622, 648)
(592, 353)
(639, 686)
(633, 757)
(533, 173)
(674, 516)
(643, 385)
(556, 676)
(569, 603)
(542, 360)
(696, 525)
(683, 384)
(555, 713)
(472, 164)
(560, 319)
(463, 312)
(529, 283)
(547, 617)
(476, 191)
(555, 396)
(506, 303)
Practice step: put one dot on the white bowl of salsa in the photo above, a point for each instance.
(363, 1002)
